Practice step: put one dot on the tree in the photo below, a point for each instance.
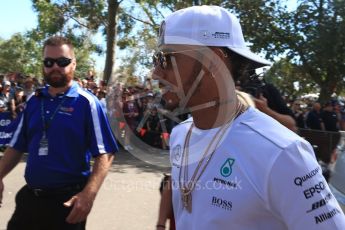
(111, 33)
(318, 44)
(77, 20)
(312, 37)
(20, 54)
(291, 81)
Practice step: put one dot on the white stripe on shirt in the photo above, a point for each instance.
(95, 119)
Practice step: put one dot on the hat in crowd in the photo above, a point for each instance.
(6, 83)
(207, 26)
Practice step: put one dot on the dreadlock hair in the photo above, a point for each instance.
(240, 65)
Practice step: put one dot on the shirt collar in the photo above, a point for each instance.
(71, 92)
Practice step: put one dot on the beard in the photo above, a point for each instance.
(57, 79)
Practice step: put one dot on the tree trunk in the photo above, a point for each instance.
(113, 6)
(196, 2)
(326, 92)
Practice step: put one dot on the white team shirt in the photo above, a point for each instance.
(262, 176)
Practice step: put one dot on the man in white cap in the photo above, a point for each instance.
(233, 167)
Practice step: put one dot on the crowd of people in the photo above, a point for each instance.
(16, 87)
(135, 108)
(328, 116)
(139, 111)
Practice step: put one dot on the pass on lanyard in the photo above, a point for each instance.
(43, 149)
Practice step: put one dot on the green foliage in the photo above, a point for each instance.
(58, 16)
(319, 46)
(309, 40)
(310, 37)
(50, 17)
(77, 20)
(20, 54)
(291, 81)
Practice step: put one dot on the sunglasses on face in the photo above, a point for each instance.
(61, 62)
(160, 58)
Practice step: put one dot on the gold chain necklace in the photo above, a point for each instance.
(186, 187)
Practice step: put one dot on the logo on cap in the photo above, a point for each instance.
(221, 35)
(204, 34)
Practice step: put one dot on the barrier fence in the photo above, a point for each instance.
(7, 127)
(323, 142)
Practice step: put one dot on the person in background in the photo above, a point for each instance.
(153, 127)
(29, 86)
(267, 98)
(84, 84)
(314, 120)
(271, 102)
(7, 98)
(61, 129)
(298, 114)
(19, 100)
(102, 99)
(329, 118)
(130, 113)
(90, 75)
(342, 117)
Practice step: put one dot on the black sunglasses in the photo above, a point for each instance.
(160, 57)
(61, 62)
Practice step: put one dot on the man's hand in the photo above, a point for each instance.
(7, 163)
(284, 119)
(81, 205)
(82, 202)
(1, 191)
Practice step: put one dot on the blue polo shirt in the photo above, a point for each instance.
(78, 130)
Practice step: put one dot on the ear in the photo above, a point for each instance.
(217, 62)
(218, 66)
(74, 64)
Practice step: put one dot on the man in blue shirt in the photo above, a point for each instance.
(62, 127)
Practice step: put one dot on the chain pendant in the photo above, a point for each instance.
(189, 202)
(186, 197)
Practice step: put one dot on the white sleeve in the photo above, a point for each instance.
(299, 194)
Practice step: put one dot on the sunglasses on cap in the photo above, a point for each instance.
(61, 62)
(159, 58)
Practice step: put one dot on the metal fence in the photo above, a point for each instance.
(323, 142)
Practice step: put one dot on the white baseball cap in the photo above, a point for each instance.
(6, 82)
(207, 26)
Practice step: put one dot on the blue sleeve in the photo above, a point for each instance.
(19, 140)
(102, 137)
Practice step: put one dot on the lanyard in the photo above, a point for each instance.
(45, 122)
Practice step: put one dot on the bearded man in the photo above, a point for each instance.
(62, 127)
